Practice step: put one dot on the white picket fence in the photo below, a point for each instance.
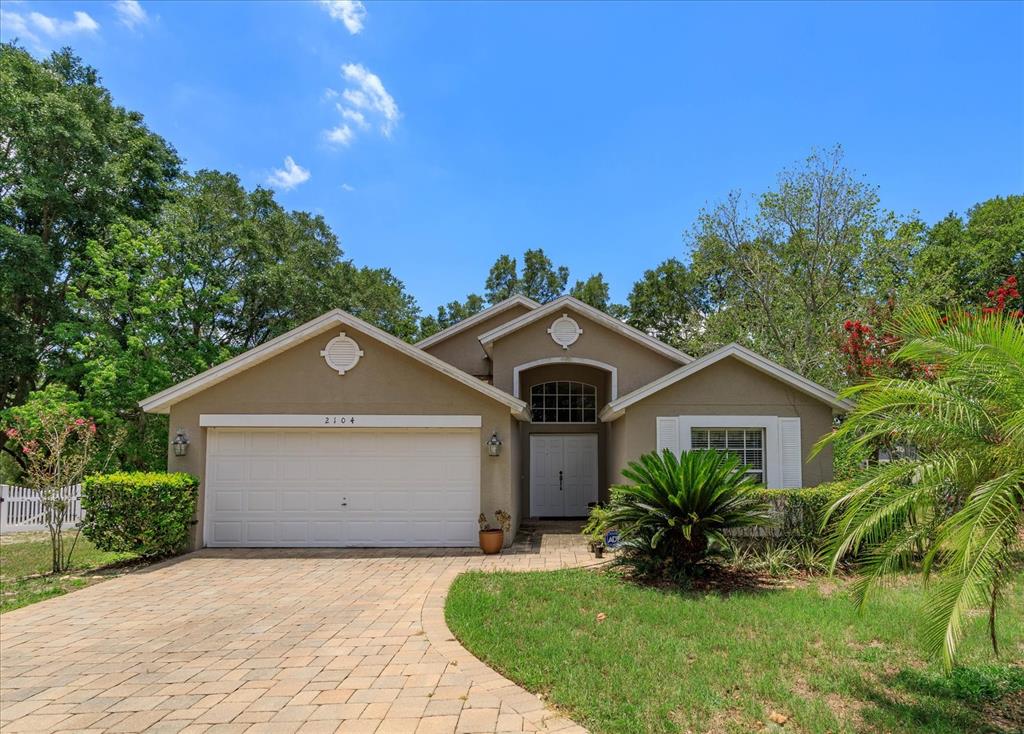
(22, 509)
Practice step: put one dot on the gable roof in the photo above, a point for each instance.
(594, 314)
(476, 318)
(617, 408)
(162, 401)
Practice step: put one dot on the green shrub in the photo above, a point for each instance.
(800, 513)
(149, 513)
(597, 524)
(674, 514)
(779, 557)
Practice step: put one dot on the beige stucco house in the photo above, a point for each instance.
(339, 434)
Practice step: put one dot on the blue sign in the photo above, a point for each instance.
(611, 539)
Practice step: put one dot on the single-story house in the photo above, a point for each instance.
(339, 434)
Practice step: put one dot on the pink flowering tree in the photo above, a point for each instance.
(868, 350)
(1006, 299)
(58, 445)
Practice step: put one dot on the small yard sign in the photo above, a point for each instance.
(611, 539)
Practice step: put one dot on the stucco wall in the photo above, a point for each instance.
(581, 373)
(616, 458)
(463, 350)
(728, 387)
(637, 365)
(384, 382)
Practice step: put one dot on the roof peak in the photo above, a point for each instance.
(460, 326)
(594, 314)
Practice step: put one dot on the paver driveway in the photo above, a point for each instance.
(276, 640)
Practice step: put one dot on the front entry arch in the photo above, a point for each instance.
(610, 369)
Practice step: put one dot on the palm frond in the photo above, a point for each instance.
(958, 505)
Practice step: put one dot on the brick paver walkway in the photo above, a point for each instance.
(269, 641)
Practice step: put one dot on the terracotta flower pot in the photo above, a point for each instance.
(491, 541)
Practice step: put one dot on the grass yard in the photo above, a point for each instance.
(680, 662)
(25, 568)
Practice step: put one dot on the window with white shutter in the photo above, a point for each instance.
(746, 443)
(668, 434)
(789, 449)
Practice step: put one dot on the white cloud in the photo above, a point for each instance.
(354, 116)
(349, 12)
(288, 177)
(130, 13)
(365, 100)
(28, 28)
(347, 187)
(16, 26)
(341, 135)
(56, 27)
(369, 94)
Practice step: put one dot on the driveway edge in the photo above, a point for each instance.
(485, 682)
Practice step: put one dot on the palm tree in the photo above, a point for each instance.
(675, 512)
(956, 505)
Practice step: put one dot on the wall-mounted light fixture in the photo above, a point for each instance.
(180, 443)
(494, 445)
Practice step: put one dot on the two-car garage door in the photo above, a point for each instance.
(330, 487)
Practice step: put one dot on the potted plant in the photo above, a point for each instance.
(597, 524)
(492, 539)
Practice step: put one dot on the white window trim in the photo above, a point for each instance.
(335, 420)
(772, 445)
(564, 423)
(566, 360)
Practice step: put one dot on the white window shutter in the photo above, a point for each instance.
(668, 434)
(790, 455)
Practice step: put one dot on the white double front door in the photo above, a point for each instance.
(563, 474)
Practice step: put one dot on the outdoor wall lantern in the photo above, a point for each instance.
(494, 445)
(180, 443)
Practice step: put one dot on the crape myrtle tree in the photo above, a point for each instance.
(58, 443)
(870, 343)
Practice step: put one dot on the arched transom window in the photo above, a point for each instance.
(563, 402)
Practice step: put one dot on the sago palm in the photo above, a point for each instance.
(956, 504)
(675, 511)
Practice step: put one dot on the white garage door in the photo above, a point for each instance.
(342, 488)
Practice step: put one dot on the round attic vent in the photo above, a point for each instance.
(341, 353)
(565, 331)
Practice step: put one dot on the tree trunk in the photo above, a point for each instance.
(992, 618)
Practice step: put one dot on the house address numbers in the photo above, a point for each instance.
(339, 420)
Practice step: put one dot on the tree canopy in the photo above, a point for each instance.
(122, 273)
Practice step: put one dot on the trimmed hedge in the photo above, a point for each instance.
(800, 512)
(149, 513)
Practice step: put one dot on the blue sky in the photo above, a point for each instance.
(595, 131)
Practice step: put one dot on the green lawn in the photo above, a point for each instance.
(25, 568)
(674, 662)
